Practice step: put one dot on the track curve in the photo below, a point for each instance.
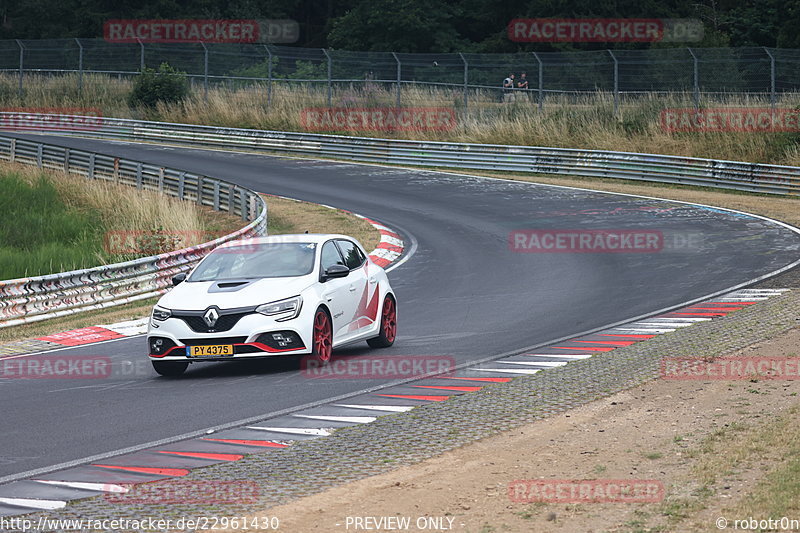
(463, 293)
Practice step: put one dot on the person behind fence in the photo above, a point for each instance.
(508, 88)
(523, 81)
(522, 85)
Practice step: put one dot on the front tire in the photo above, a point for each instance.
(388, 330)
(322, 342)
(170, 368)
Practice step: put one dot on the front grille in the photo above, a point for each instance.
(215, 340)
(195, 321)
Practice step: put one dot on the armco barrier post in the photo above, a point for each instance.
(138, 176)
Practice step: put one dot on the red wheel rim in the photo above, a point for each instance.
(322, 336)
(389, 319)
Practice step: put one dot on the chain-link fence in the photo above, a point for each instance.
(698, 72)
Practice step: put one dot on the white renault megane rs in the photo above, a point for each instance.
(287, 294)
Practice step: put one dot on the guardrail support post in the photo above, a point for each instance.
(330, 76)
(205, 72)
(90, 170)
(230, 199)
(80, 65)
(21, 64)
(66, 160)
(541, 79)
(399, 73)
(39, 151)
(696, 81)
(771, 78)
(466, 79)
(138, 175)
(199, 190)
(161, 179)
(245, 207)
(216, 196)
(13, 154)
(181, 185)
(616, 82)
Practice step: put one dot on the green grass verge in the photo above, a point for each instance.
(40, 233)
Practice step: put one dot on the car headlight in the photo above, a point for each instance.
(161, 314)
(288, 308)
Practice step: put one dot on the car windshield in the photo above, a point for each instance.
(265, 260)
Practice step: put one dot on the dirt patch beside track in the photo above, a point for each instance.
(714, 446)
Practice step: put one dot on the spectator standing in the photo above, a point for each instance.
(522, 84)
(508, 88)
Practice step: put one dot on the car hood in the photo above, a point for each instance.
(234, 293)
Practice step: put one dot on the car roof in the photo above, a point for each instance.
(292, 237)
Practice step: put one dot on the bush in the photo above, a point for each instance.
(163, 85)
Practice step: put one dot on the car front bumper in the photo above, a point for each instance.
(254, 335)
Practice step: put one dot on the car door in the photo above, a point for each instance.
(336, 292)
(364, 294)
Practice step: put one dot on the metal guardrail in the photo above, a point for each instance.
(736, 175)
(38, 298)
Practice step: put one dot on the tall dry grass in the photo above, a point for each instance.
(131, 223)
(569, 121)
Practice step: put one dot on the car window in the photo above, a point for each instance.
(330, 256)
(251, 261)
(353, 257)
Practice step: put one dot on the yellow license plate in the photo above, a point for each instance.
(212, 350)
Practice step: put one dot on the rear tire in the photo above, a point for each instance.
(388, 330)
(170, 368)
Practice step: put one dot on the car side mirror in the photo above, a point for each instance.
(335, 271)
(178, 278)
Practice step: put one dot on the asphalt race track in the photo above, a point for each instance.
(463, 293)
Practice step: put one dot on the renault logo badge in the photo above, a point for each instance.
(210, 317)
